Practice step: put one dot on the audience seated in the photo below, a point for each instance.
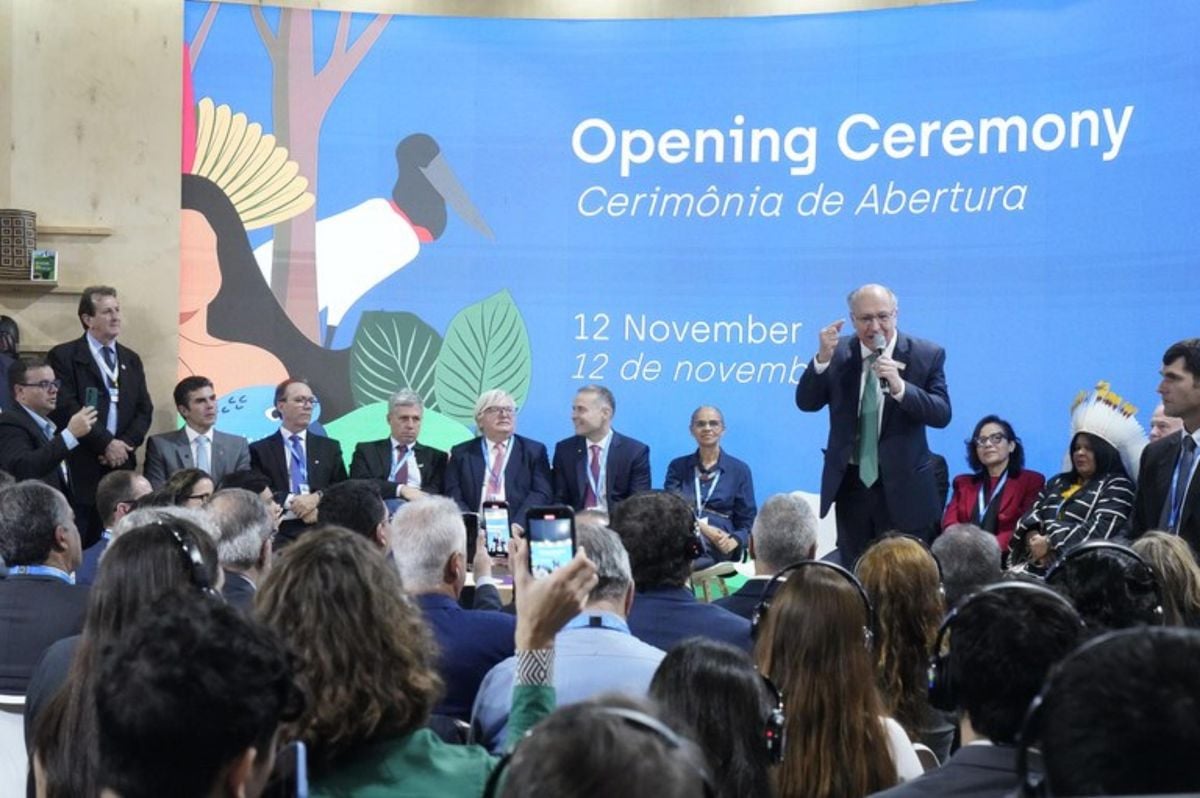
(595, 653)
(1118, 716)
(429, 543)
(1110, 585)
(1178, 574)
(970, 558)
(734, 711)
(1002, 642)
(10, 340)
(187, 487)
(244, 547)
(784, 532)
(259, 485)
(658, 531)
(116, 495)
(355, 505)
(39, 600)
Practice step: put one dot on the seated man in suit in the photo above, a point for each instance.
(399, 466)
(198, 444)
(597, 466)
(784, 532)
(31, 447)
(429, 542)
(298, 463)
(244, 547)
(116, 496)
(39, 601)
(499, 465)
(658, 530)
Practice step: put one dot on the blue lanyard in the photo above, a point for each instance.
(712, 485)
(602, 479)
(1173, 521)
(42, 570)
(498, 479)
(984, 506)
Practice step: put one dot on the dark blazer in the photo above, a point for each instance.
(373, 460)
(74, 365)
(973, 771)
(526, 477)
(905, 470)
(730, 506)
(323, 456)
(1154, 486)
(26, 454)
(238, 591)
(664, 616)
(470, 643)
(627, 470)
(170, 452)
(743, 600)
(34, 612)
(89, 564)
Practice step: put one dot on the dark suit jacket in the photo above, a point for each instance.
(90, 562)
(1154, 486)
(730, 506)
(743, 600)
(238, 591)
(34, 612)
(974, 771)
(74, 365)
(664, 616)
(470, 643)
(905, 470)
(26, 454)
(373, 460)
(627, 470)
(526, 477)
(169, 452)
(323, 457)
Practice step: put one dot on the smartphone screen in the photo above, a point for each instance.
(495, 528)
(91, 397)
(551, 535)
(289, 777)
(471, 522)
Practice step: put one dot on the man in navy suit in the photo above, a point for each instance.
(784, 532)
(498, 464)
(883, 388)
(598, 466)
(299, 463)
(400, 467)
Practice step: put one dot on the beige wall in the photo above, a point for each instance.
(89, 137)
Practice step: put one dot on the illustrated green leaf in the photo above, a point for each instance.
(392, 351)
(486, 347)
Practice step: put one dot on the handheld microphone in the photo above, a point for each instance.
(878, 342)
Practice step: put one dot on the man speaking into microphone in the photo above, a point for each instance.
(882, 388)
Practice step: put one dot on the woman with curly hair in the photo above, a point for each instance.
(903, 580)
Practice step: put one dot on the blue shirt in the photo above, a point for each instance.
(595, 653)
(729, 506)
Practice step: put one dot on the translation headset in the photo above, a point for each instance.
(764, 603)
(638, 721)
(891, 536)
(193, 562)
(774, 732)
(941, 687)
(1090, 546)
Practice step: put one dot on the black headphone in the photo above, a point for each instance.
(1117, 548)
(639, 721)
(775, 730)
(924, 545)
(193, 561)
(941, 688)
(764, 602)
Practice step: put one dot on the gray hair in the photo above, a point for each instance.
(970, 559)
(604, 394)
(153, 515)
(30, 513)
(871, 287)
(244, 523)
(405, 397)
(607, 553)
(784, 531)
(491, 398)
(713, 408)
(424, 535)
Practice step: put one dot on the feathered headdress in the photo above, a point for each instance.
(1109, 417)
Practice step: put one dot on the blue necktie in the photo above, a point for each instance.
(203, 462)
(299, 467)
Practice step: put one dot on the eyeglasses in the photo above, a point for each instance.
(305, 400)
(882, 318)
(45, 385)
(203, 497)
(500, 411)
(995, 439)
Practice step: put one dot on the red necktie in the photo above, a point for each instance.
(589, 496)
(400, 475)
(496, 478)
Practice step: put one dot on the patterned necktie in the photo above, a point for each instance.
(589, 495)
(868, 427)
(203, 461)
(1187, 456)
(299, 467)
(400, 469)
(110, 359)
(496, 475)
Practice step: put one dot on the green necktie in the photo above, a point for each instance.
(868, 427)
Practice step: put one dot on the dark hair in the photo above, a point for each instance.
(30, 512)
(87, 301)
(656, 528)
(596, 748)
(605, 395)
(1119, 716)
(254, 481)
(188, 384)
(1002, 644)
(715, 690)
(1016, 460)
(179, 487)
(321, 596)
(1189, 350)
(115, 488)
(1108, 459)
(354, 504)
(20, 368)
(139, 568)
(970, 558)
(10, 335)
(183, 693)
(281, 388)
(1111, 589)
(6, 479)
